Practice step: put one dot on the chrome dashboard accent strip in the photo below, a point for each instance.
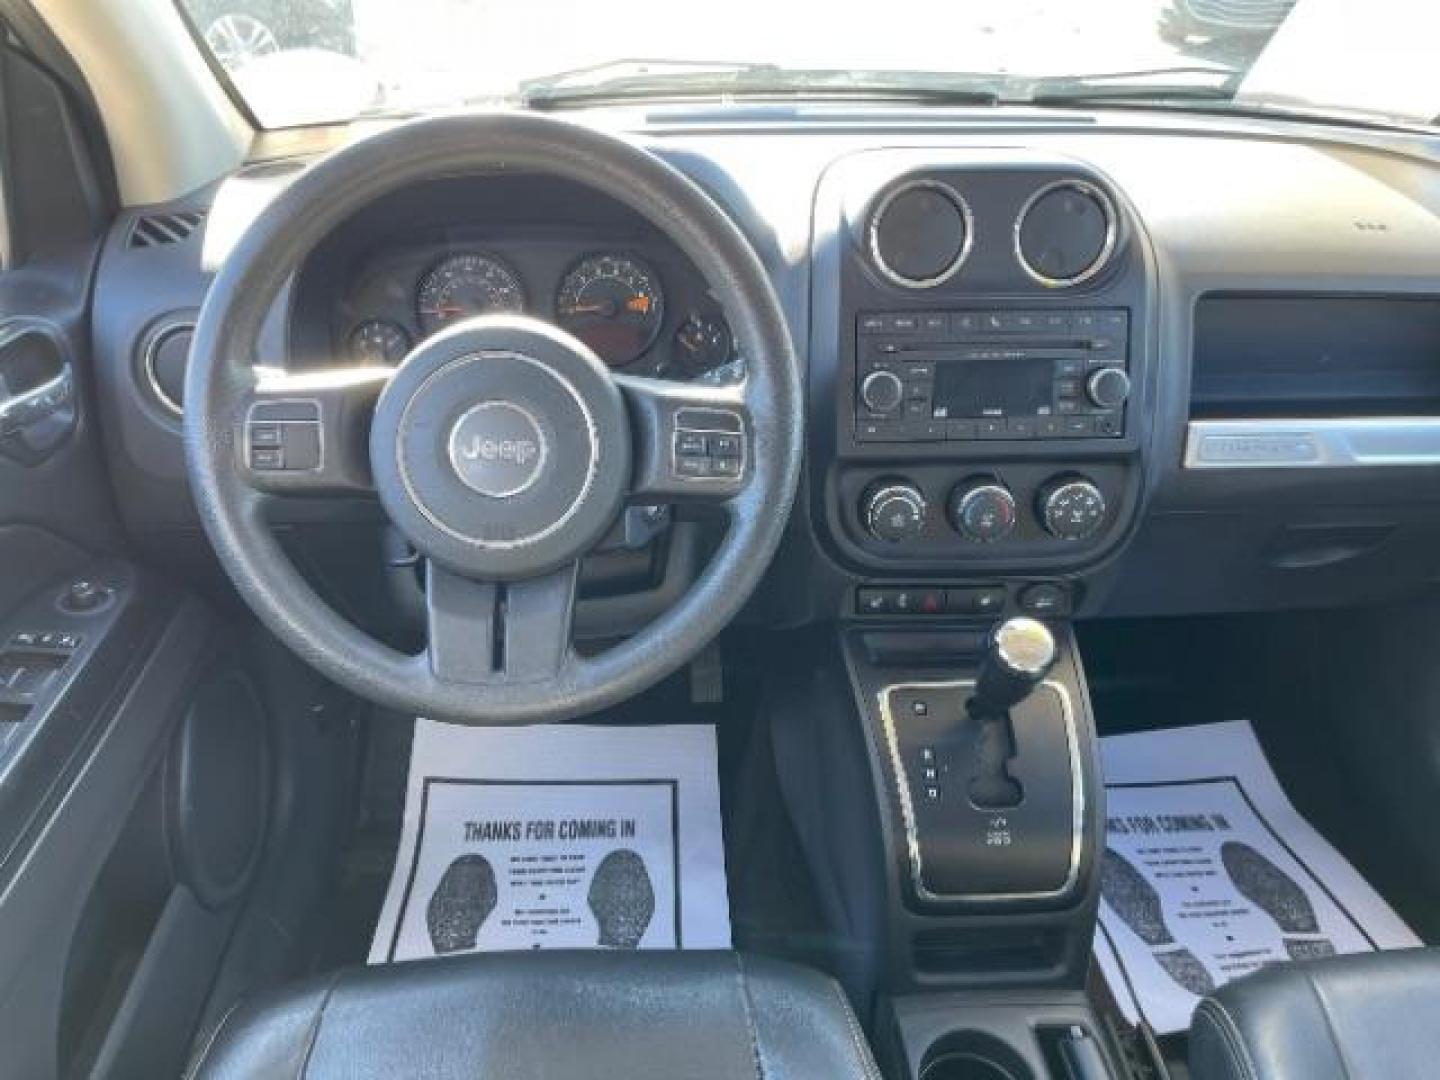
(907, 809)
(1355, 442)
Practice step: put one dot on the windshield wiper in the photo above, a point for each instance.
(630, 80)
(1148, 84)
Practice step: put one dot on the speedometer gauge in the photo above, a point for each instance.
(613, 303)
(465, 285)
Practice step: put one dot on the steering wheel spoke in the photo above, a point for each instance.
(692, 443)
(308, 434)
(488, 632)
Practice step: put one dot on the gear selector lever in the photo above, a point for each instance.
(1021, 653)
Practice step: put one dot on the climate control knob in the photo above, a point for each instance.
(1108, 387)
(982, 510)
(882, 391)
(1071, 508)
(894, 511)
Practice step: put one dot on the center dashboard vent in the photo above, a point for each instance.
(157, 230)
(1066, 233)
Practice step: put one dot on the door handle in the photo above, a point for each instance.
(37, 391)
(30, 407)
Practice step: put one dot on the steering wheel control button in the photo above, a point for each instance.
(708, 444)
(982, 511)
(1071, 508)
(501, 447)
(498, 449)
(283, 436)
(895, 512)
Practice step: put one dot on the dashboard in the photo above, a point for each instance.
(424, 259)
(1108, 364)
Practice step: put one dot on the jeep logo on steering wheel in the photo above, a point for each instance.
(498, 449)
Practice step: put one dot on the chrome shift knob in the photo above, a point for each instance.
(1021, 653)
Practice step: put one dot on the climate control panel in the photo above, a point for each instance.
(962, 517)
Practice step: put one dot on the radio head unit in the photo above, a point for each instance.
(1001, 374)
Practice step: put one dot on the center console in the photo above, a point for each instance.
(981, 383)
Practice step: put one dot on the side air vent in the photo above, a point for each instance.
(156, 230)
(164, 356)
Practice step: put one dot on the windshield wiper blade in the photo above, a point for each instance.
(591, 76)
(761, 80)
(1146, 84)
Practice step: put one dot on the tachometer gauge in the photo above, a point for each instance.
(613, 303)
(465, 285)
(378, 342)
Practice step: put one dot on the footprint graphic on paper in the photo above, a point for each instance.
(460, 904)
(622, 899)
(1278, 895)
(1136, 902)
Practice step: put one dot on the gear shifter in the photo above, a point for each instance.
(1021, 653)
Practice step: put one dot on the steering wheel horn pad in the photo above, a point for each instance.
(501, 448)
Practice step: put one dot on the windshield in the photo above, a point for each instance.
(313, 61)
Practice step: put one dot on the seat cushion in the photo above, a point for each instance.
(1372, 1015)
(550, 1016)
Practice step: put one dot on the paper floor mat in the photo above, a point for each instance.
(557, 837)
(1210, 873)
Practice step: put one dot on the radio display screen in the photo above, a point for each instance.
(993, 386)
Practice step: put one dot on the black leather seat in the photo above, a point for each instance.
(1375, 1015)
(551, 1016)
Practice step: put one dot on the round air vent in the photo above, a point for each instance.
(1065, 233)
(920, 234)
(167, 351)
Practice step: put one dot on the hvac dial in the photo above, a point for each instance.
(464, 285)
(614, 304)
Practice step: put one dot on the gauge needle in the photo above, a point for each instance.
(604, 307)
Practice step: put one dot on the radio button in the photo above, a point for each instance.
(905, 324)
(878, 431)
(966, 322)
(1077, 426)
(935, 324)
(1050, 427)
(1068, 366)
(1108, 388)
(990, 429)
(882, 391)
(959, 429)
(872, 324)
(1020, 427)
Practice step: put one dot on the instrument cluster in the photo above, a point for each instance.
(641, 308)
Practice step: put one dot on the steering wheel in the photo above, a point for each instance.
(502, 447)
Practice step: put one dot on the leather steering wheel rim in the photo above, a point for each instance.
(221, 379)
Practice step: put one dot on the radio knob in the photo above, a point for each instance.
(1108, 388)
(982, 511)
(894, 512)
(882, 391)
(1071, 508)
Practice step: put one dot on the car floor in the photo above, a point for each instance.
(1278, 672)
(771, 899)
